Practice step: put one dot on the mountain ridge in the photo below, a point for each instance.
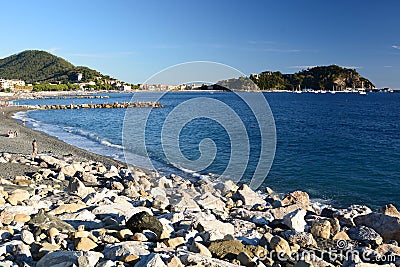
(34, 66)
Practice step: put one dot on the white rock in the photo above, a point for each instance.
(61, 258)
(183, 202)
(152, 260)
(76, 187)
(123, 249)
(295, 220)
(248, 196)
(208, 201)
(224, 228)
(27, 237)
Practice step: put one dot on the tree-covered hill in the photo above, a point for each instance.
(330, 77)
(40, 66)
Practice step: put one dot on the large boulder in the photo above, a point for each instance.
(390, 210)
(280, 245)
(151, 260)
(248, 196)
(46, 221)
(295, 220)
(144, 221)
(387, 226)
(364, 234)
(321, 228)
(209, 201)
(123, 249)
(69, 258)
(296, 197)
(76, 187)
(347, 216)
(183, 202)
(224, 228)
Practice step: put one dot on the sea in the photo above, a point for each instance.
(341, 148)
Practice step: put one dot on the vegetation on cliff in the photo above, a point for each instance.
(39, 66)
(330, 77)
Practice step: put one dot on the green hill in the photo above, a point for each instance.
(40, 66)
(330, 77)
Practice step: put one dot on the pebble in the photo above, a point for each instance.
(130, 218)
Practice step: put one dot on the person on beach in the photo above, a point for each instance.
(34, 147)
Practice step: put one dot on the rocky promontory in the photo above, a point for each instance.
(86, 213)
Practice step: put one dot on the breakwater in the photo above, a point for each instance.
(105, 105)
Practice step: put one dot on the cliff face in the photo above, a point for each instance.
(319, 78)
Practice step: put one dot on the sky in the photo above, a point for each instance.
(132, 40)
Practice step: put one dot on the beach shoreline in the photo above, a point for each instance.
(46, 144)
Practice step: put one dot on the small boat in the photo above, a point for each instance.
(362, 93)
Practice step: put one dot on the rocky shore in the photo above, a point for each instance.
(59, 209)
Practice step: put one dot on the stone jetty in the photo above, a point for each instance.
(84, 213)
(105, 105)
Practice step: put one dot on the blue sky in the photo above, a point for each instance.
(132, 40)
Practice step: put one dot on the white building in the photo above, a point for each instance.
(125, 88)
(10, 84)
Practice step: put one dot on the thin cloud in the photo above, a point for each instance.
(53, 49)
(167, 46)
(260, 42)
(101, 55)
(352, 67)
(396, 46)
(313, 66)
(387, 66)
(281, 50)
(303, 67)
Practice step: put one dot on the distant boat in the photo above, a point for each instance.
(362, 93)
(332, 92)
(323, 92)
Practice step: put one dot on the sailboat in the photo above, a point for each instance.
(362, 91)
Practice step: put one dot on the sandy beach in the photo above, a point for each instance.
(46, 144)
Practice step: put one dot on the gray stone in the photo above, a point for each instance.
(199, 248)
(123, 249)
(195, 259)
(364, 234)
(76, 187)
(346, 216)
(47, 221)
(302, 239)
(226, 187)
(119, 210)
(224, 228)
(83, 215)
(27, 237)
(387, 226)
(280, 212)
(208, 201)
(151, 260)
(144, 221)
(62, 258)
(183, 202)
(248, 196)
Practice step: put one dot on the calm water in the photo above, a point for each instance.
(341, 149)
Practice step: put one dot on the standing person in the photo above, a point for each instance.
(34, 147)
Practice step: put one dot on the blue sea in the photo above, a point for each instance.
(341, 148)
